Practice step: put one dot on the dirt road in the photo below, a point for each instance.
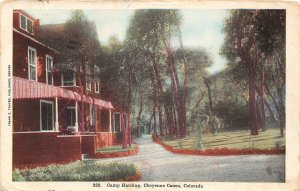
(157, 164)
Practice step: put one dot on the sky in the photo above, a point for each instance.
(200, 27)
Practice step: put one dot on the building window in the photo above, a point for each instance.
(125, 121)
(68, 78)
(49, 65)
(23, 22)
(88, 85)
(32, 64)
(97, 86)
(71, 116)
(26, 24)
(92, 115)
(46, 109)
(117, 122)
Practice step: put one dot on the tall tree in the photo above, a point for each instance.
(251, 37)
(143, 33)
(117, 72)
(154, 30)
(79, 52)
(240, 39)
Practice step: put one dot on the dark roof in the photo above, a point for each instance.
(25, 13)
(54, 35)
(58, 37)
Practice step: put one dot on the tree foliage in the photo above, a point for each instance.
(255, 48)
(151, 76)
(82, 47)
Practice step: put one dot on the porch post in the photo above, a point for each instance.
(95, 118)
(110, 120)
(76, 116)
(114, 122)
(56, 115)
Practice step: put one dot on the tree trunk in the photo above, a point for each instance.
(182, 118)
(154, 121)
(272, 97)
(128, 109)
(259, 115)
(123, 130)
(244, 54)
(166, 129)
(271, 112)
(281, 112)
(174, 89)
(208, 94)
(211, 110)
(279, 106)
(280, 70)
(168, 122)
(139, 117)
(175, 86)
(155, 102)
(268, 107)
(82, 113)
(262, 104)
(141, 108)
(171, 130)
(149, 124)
(129, 130)
(252, 101)
(176, 129)
(185, 84)
(160, 120)
(199, 101)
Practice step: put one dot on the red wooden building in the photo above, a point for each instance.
(47, 103)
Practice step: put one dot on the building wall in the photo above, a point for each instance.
(88, 144)
(30, 121)
(26, 115)
(62, 111)
(104, 127)
(20, 57)
(16, 22)
(92, 93)
(42, 149)
(108, 139)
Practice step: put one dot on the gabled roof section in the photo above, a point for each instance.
(25, 13)
(54, 35)
(34, 40)
(57, 35)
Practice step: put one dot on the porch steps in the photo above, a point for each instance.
(84, 157)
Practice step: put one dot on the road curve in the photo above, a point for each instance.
(157, 164)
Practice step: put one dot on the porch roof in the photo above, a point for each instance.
(28, 89)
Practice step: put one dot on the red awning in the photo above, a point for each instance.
(28, 89)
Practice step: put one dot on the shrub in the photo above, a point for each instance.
(233, 114)
(77, 171)
(117, 148)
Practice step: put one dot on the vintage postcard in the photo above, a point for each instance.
(151, 95)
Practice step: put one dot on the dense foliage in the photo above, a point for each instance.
(167, 89)
(255, 49)
(177, 95)
(77, 171)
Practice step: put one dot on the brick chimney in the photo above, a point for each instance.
(36, 24)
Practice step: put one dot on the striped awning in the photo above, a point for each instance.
(28, 89)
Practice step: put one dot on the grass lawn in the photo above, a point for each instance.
(117, 148)
(235, 139)
(77, 171)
